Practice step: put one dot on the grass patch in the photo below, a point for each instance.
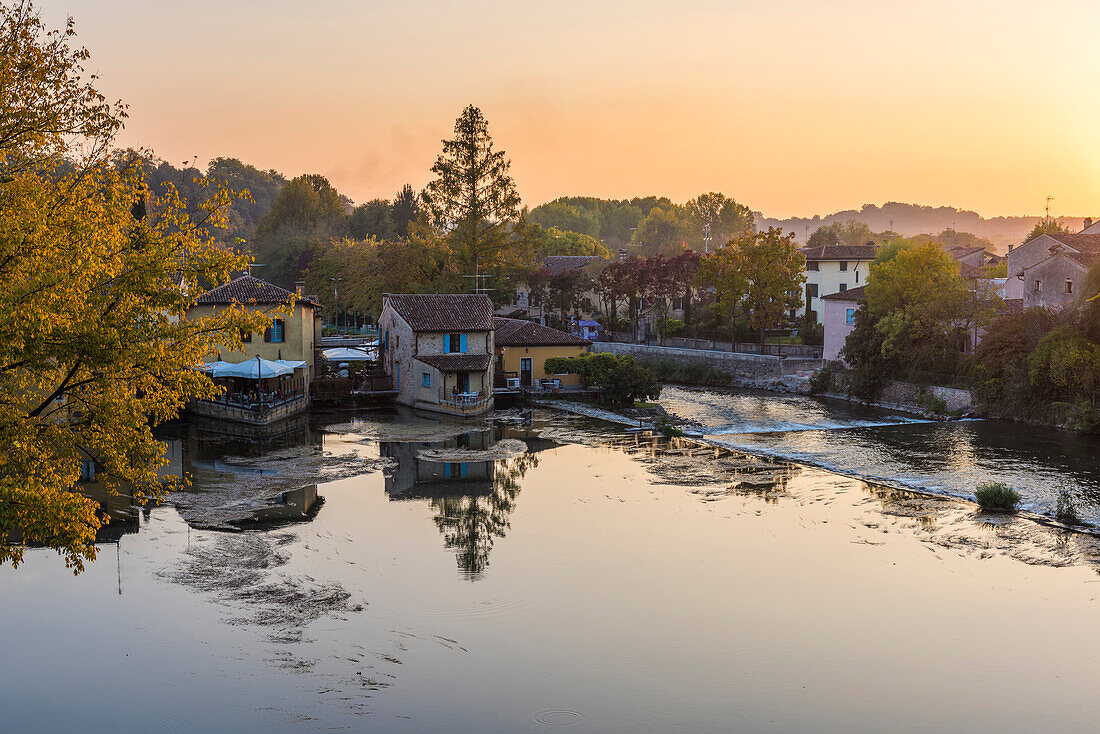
(997, 496)
(1066, 510)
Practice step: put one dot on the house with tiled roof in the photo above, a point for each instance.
(527, 303)
(438, 351)
(522, 348)
(839, 318)
(1050, 269)
(833, 269)
(295, 331)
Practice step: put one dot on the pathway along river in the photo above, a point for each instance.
(401, 574)
(949, 458)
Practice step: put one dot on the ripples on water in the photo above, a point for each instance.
(951, 458)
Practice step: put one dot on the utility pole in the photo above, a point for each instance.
(706, 238)
(1047, 217)
(336, 297)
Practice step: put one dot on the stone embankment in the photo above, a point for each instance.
(751, 370)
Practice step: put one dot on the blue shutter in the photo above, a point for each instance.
(462, 470)
(462, 340)
(446, 343)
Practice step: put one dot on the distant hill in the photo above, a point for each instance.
(913, 219)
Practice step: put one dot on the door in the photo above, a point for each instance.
(525, 371)
(464, 382)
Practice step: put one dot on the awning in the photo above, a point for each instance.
(253, 369)
(348, 354)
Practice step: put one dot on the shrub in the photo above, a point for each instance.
(933, 404)
(823, 380)
(687, 372)
(996, 496)
(670, 327)
(620, 379)
(1065, 510)
(811, 332)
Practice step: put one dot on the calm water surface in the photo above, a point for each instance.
(405, 575)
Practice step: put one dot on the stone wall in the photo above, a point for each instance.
(741, 366)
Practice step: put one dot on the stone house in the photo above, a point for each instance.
(1050, 270)
(292, 337)
(833, 269)
(839, 319)
(438, 350)
(525, 304)
(522, 348)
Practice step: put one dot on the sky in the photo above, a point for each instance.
(792, 107)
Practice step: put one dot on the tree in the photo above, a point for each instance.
(557, 242)
(719, 215)
(94, 349)
(774, 269)
(306, 211)
(372, 219)
(473, 199)
(620, 379)
(723, 270)
(1045, 226)
(567, 217)
(405, 210)
(662, 231)
(851, 232)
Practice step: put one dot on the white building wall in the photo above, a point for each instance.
(829, 278)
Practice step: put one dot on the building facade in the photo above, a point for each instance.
(833, 269)
(438, 350)
(1050, 270)
(839, 319)
(292, 336)
(522, 349)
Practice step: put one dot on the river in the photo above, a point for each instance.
(395, 573)
(899, 450)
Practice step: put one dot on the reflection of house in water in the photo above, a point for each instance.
(472, 500)
(297, 505)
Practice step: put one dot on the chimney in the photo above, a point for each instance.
(300, 288)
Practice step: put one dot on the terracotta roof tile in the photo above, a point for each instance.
(457, 362)
(437, 312)
(852, 294)
(518, 333)
(840, 252)
(558, 264)
(248, 289)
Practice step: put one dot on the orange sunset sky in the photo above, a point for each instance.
(792, 107)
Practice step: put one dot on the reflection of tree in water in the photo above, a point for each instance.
(469, 523)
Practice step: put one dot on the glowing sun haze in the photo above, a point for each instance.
(794, 107)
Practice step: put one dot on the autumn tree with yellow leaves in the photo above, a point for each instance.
(96, 277)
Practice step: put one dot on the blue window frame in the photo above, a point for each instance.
(850, 316)
(454, 343)
(425, 379)
(276, 332)
(455, 471)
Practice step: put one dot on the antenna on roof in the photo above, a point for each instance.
(479, 289)
(1049, 199)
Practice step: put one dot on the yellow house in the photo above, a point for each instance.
(522, 348)
(294, 337)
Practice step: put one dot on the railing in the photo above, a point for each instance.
(462, 399)
(256, 401)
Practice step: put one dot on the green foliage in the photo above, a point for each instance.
(823, 380)
(307, 211)
(1066, 510)
(931, 403)
(559, 242)
(1045, 226)
(851, 232)
(1081, 415)
(870, 368)
(687, 372)
(670, 327)
(1065, 362)
(996, 496)
(724, 217)
(663, 231)
(373, 219)
(620, 378)
(811, 332)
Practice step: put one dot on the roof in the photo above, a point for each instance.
(961, 251)
(517, 333)
(840, 252)
(248, 289)
(852, 294)
(558, 264)
(457, 362)
(438, 312)
(1079, 242)
(967, 270)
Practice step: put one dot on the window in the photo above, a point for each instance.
(246, 336)
(1038, 286)
(87, 471)
(454, 343)
(850, 316)
(812, 315)
(843, 287)
(811, 291)
(1069, 286)
(813, 265)
(425, 379)
(276, 332)
(843, 266)
(396, 341)
(857, 275)
(677, 304)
